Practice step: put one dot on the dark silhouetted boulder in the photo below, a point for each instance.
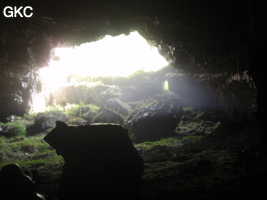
(100, 162)
(15, 185)
(155, 121)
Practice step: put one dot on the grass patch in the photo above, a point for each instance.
(75, 120)
(76, 110)
(13, 129)
(43, 164)
(187, 108)
(73, 110)
(93, 108)
(169, 142)
(143, 105)
(159, 170)
(31, 151)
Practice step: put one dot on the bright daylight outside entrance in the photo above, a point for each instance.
(110, 57)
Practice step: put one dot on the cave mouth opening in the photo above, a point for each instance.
(89, 63)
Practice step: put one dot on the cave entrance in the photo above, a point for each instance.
(74, 71)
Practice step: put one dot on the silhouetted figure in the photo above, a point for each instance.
(15, 185)
(100, 162)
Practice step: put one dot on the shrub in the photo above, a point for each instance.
(143, 105)
(94, 108)
(162, 142)
(51, 109)
(75, 120)
(13, 129)
(84, 111)
(132, 137)
(81, 113)
(25, 120)
(187, 108)
(192, 139)
(74, 110)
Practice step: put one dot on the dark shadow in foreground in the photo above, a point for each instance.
(100, 162)
(16, 185)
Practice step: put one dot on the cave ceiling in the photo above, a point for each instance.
(197, 36)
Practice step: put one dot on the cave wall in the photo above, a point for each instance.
(209, 40)
(17, 92)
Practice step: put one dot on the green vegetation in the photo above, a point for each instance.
(93, 108)
(34, 152)
(75, 120)
(78, 113)
(18, 129)
(31, 152)
(189, 127)
(187, 108)
(132, 136)
(158, 170)
(176, 164)
(51, 109)
(76, 110)
(13, 129)
(139, 73)
(26, 120)
(168, 142)
(143, 105)
(75, 94)
(73, 110)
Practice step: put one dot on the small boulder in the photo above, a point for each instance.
(44, 121)
(111, 92)
(47, 120)
(118, 105)
(108, 116)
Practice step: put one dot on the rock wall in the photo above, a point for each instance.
(17, 91)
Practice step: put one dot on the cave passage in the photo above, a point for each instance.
(118, 56)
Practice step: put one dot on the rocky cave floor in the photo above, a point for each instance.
(229, 163)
